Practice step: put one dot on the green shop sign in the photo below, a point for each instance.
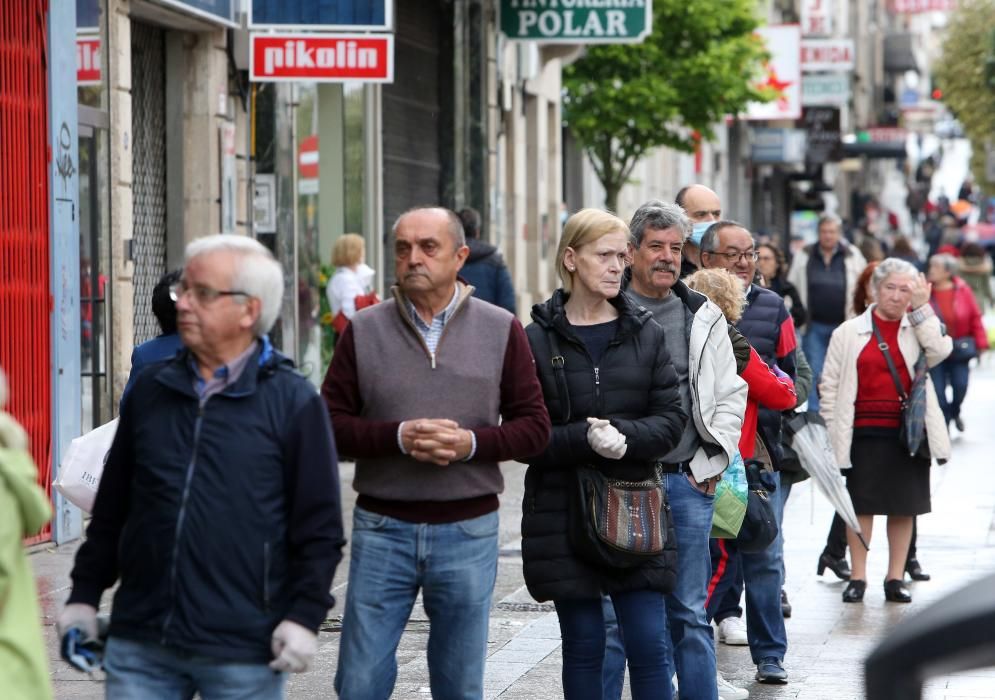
(576, 21)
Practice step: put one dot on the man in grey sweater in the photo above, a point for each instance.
(428, 391)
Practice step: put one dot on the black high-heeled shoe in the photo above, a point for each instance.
(914, 570)
(896, 592)
(837, 566)
(854, 592)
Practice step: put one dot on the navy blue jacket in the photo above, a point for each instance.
(220, 519)
(161, 347)
(486, 271)
(768, 326)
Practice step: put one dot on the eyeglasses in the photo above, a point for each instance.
(735, 256)
(202, 294)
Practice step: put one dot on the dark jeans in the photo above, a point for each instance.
(954, 375)
(642, 621)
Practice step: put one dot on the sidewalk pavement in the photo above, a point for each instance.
(827, 639)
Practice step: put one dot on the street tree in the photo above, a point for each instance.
(700, 63)
(963, 75)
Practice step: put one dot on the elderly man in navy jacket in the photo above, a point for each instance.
(219, 506)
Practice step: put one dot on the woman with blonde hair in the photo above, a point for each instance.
(613, 397)
(351, 287)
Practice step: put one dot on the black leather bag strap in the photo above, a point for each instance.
(883, 347)
(559, 373)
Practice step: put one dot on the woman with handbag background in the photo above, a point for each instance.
(613, 396)
(874, 364)
(954, 302)
(351, 287)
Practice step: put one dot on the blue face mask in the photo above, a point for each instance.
(698, 231)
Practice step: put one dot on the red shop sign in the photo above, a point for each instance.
(322, 57)
(88, 60)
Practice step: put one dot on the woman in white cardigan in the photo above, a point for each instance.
(862, 410)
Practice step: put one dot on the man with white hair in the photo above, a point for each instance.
(219, 507)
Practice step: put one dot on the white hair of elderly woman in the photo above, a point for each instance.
(892, 266)
(257, 273)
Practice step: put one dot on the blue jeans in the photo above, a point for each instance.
(642, 621)
(150, 671)
(954, 375)
(815, 342)
(454, 565)
(690, 633)
(763, 575)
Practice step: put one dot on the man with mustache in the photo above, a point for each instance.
(428, 391)
(714, 396)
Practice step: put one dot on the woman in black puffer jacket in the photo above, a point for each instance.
(625, 412)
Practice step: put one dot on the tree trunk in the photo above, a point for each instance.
(612, 190)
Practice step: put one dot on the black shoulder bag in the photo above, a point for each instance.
(910, 432)
(612, 523)
(965, 348)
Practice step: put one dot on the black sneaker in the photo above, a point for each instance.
(785, 605)
(959, 424)
(770, 670)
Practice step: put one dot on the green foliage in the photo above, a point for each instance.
(962, 74)
(698, 65)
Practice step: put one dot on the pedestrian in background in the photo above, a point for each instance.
(825, 274)
(953, 301)
(704, 208)
(429, 391)
(484, 267)
(24, 510)
(617, 408)
(715, 398)
(351, 285)
(773, 271)
(218, 508)
(768, 327)
(167, 343)
(902, 249)
(863, 409)
(976, 270)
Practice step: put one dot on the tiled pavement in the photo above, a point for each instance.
(828, 640)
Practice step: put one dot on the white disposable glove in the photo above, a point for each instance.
(605, 439)
(293, 647)
(78, 615)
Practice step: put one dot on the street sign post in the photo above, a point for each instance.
(570, 22)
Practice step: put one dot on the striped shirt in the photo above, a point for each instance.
(431, 333)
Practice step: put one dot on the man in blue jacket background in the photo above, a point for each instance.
(219, 506)
(484, 267)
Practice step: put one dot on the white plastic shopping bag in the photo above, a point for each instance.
(83, 464)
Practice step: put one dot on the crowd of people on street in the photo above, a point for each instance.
(653, 385)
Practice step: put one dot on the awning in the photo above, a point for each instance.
(898, 54)
(874, 149)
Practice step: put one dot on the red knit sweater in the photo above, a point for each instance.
(877, 404)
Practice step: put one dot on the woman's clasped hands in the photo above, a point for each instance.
(605, 439)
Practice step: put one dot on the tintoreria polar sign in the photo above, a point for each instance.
(576, 21)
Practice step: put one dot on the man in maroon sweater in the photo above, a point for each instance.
(428, 392)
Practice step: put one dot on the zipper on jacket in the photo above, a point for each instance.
(266, 565)
(180, 517)
(696, 400)
(597, 389)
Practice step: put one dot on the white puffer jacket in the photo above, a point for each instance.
(838, 388)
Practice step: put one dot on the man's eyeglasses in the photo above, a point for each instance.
(735, 256)
(202, 294)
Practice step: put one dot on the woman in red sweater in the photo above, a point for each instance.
(954, 303)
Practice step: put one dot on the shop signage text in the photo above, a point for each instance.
(827, 54)
(916, 6)
(576, 21)
(824, 138)
(825, 89)
(88, 59)
(817, 17)
(322, 57)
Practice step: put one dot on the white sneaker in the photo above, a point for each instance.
(732, 631)
(728, 691)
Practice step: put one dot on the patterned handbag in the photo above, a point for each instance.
(618, 523)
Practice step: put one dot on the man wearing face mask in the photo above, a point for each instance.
(703, 207)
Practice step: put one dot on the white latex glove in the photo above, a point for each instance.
(605, 439)
(78, 615)
(293, 647)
